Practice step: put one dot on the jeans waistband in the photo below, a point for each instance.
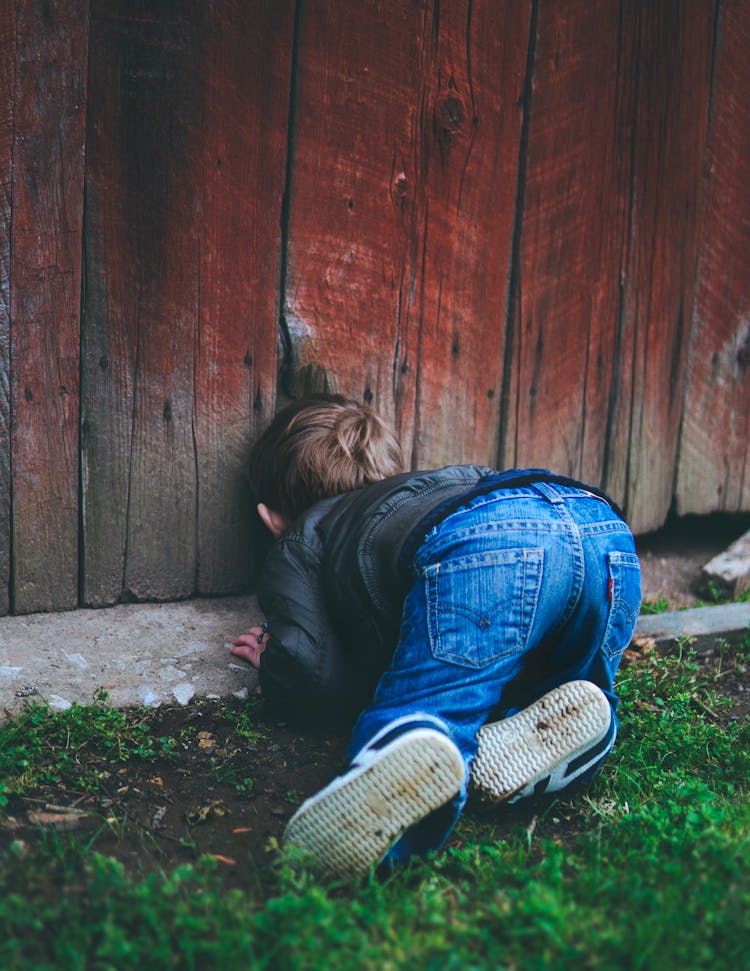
(556, 489)
(557, 494)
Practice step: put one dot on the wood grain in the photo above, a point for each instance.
(245, 75)
(349, 200)
(139, 489)
(671, 71)
(187, 155)
(7, 72)
(608, 243)
(405, 150)
(714, 462)
(520, 230)
(45, 277)
(572, 227)
(466, 156)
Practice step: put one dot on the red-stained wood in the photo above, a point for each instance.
(7, 69)
(347, 227)
(608, 232)
(468, 138)
(45, 288)
(186, 164)
(714, 462)
(405, 151)
(240, 138)
(671, 70)
(513, 227)
(139, 489)
(573, 223)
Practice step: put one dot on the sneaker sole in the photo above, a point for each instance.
(543, 747)
(349, 825)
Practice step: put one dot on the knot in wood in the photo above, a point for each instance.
(449, 118)
(401, 185)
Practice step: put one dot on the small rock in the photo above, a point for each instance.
(78, 659)
(8, 672)
(149, 698)
(730, 570)
(170, 673)
(194, 647)
(183, 693)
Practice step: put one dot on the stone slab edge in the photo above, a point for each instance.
(172, 653)
(140, 654)
(702, 626)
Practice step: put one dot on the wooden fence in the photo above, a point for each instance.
(520, 227)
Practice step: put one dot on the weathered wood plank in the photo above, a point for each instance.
(466, 151)
(244, 73)
(672, 67)
(573, 224)
(187, 140)
(112, 297)
(140, 307)
(714, 464)
(45, 274)
(7, 70)
(350, 199)
(405, 154)
(608, 242)
(702, 626)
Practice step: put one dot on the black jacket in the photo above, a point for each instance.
(332, 589)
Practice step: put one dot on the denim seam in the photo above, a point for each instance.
(579, 562)
(484, 529)
(617, 526)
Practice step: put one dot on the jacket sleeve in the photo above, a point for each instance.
(305, 671)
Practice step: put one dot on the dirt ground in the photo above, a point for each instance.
(215, 795)
(157, 815)
(673, 557)
(220, 795)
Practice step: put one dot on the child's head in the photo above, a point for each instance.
(320, 447)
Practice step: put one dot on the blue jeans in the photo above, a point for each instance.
(517, 592)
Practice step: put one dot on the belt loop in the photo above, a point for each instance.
(549, 492)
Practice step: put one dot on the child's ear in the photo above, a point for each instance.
(274, 522)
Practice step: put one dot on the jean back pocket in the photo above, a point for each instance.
(481, 607)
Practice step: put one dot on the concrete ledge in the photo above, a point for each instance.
(703, 625)
(139, 653)
(152, 654)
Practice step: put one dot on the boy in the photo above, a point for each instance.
(424, 603)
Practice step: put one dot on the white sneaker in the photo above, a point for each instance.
(401, 776)
(545, 747)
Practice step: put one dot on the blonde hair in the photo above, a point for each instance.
(319, 447)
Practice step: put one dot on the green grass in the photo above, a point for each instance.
(660, 606)
(650, 870)
(714, 596)
(72, 748)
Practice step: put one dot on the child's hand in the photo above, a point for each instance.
(251, 645)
